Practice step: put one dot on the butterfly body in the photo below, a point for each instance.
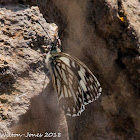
(74, 83)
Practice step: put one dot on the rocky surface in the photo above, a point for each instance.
(26, 105)
(104, 34)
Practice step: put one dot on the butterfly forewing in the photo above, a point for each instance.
(74, 82)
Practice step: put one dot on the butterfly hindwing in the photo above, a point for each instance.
(74, 82)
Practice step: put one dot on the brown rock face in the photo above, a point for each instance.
(23, 75)
(103, 34)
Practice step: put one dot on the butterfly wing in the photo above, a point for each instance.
(74, 82)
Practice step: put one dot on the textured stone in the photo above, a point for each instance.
(105, 35)
(23, 75)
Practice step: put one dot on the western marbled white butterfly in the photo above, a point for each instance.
(74, 83)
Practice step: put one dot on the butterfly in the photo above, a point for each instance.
(74, 83)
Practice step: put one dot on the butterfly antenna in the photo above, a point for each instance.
(45, 31)
(37, 3)
(56, 40)
(61, 33)
(63, 30)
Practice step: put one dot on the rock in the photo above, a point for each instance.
(105, 36)
(26, 104)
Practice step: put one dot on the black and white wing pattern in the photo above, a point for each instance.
(74, 82)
